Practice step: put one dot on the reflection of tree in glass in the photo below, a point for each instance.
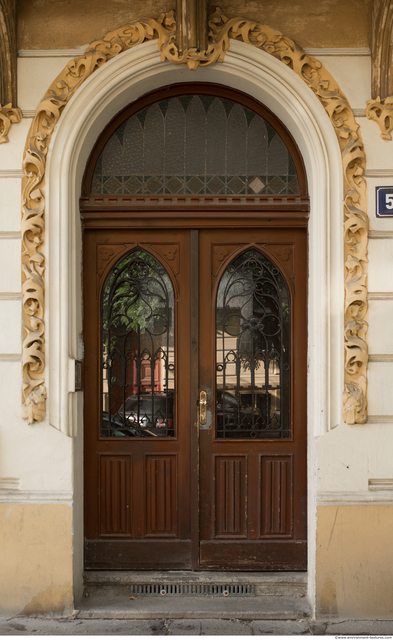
(135, 298)
(255, 302)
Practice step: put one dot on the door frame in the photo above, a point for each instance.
(106, 92)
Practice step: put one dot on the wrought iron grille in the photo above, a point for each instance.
(138, 358)
(195, 145)
(253, 350)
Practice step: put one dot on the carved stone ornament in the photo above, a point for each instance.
(382, 112)
(8, 115)
(220, 31)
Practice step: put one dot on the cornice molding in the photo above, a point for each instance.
(379, 173)
(51, 53)
(11, 173)
(350, 51)
(16, 496)
(359, 113)
(380, 296)
(333, 498)
(73, 53)
(221, 31)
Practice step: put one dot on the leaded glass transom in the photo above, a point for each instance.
(195, 144)
(253, 350)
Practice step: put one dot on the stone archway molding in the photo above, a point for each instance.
(221, 31)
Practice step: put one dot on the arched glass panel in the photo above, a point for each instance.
(137, 349)
(253, 350)
(195, 145)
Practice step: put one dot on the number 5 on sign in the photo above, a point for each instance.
(389, 201)
(384, 202)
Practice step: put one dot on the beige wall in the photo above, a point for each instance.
(354, 576)
(60, 24)
(35, 559)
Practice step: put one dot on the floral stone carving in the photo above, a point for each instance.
(221, 31)
(8, 115)
(382, 112)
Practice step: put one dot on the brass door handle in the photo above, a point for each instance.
(202, 407)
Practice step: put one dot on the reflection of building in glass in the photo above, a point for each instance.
(252, 323)
(138, 358)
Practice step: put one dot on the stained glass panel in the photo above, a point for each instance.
(195, 145)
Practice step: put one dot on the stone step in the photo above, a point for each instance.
(114, 602)
(287, 584)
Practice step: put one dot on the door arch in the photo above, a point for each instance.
(96, 102)
(145, 187)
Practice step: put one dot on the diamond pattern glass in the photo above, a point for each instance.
(195, 145)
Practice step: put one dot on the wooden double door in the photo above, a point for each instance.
(222, 486)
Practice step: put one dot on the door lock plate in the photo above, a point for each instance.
(202, 407)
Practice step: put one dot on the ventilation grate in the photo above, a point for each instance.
(192, 590)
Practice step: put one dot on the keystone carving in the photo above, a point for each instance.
(220, 32)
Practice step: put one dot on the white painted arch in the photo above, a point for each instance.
(120, 81)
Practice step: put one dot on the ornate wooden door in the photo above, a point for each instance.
(137, 399)
(195, 213)
(141, 335)
(252, 354)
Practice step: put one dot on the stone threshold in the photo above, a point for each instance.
(289, 583)
(278, 596)
(108, 603)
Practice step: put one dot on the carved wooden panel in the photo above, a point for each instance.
(220, 253)
(115, 494)
(231, 496)
(276, 495)
(284, 254)
(161, 495)
(106, 254)
(170, 253)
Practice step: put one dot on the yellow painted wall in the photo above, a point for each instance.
(35, 559)
(50, 24)
(354, 564)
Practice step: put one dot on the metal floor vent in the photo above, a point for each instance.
(192, 590)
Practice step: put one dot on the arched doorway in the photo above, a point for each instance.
(203, 188)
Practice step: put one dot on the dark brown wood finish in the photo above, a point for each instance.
(254, 491)
(194, 502)
(137, 490)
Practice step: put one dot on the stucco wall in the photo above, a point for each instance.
(54, 24)
(36, 559)
(354, 561)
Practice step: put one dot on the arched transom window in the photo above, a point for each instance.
(195, 144)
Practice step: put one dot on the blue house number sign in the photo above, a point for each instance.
(384, 204)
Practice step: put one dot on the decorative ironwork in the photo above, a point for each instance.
(195, 145)
(253, 350)
(138, 359)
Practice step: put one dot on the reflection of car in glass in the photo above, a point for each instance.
(236, 414)
(145, 415)
(239, 419)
